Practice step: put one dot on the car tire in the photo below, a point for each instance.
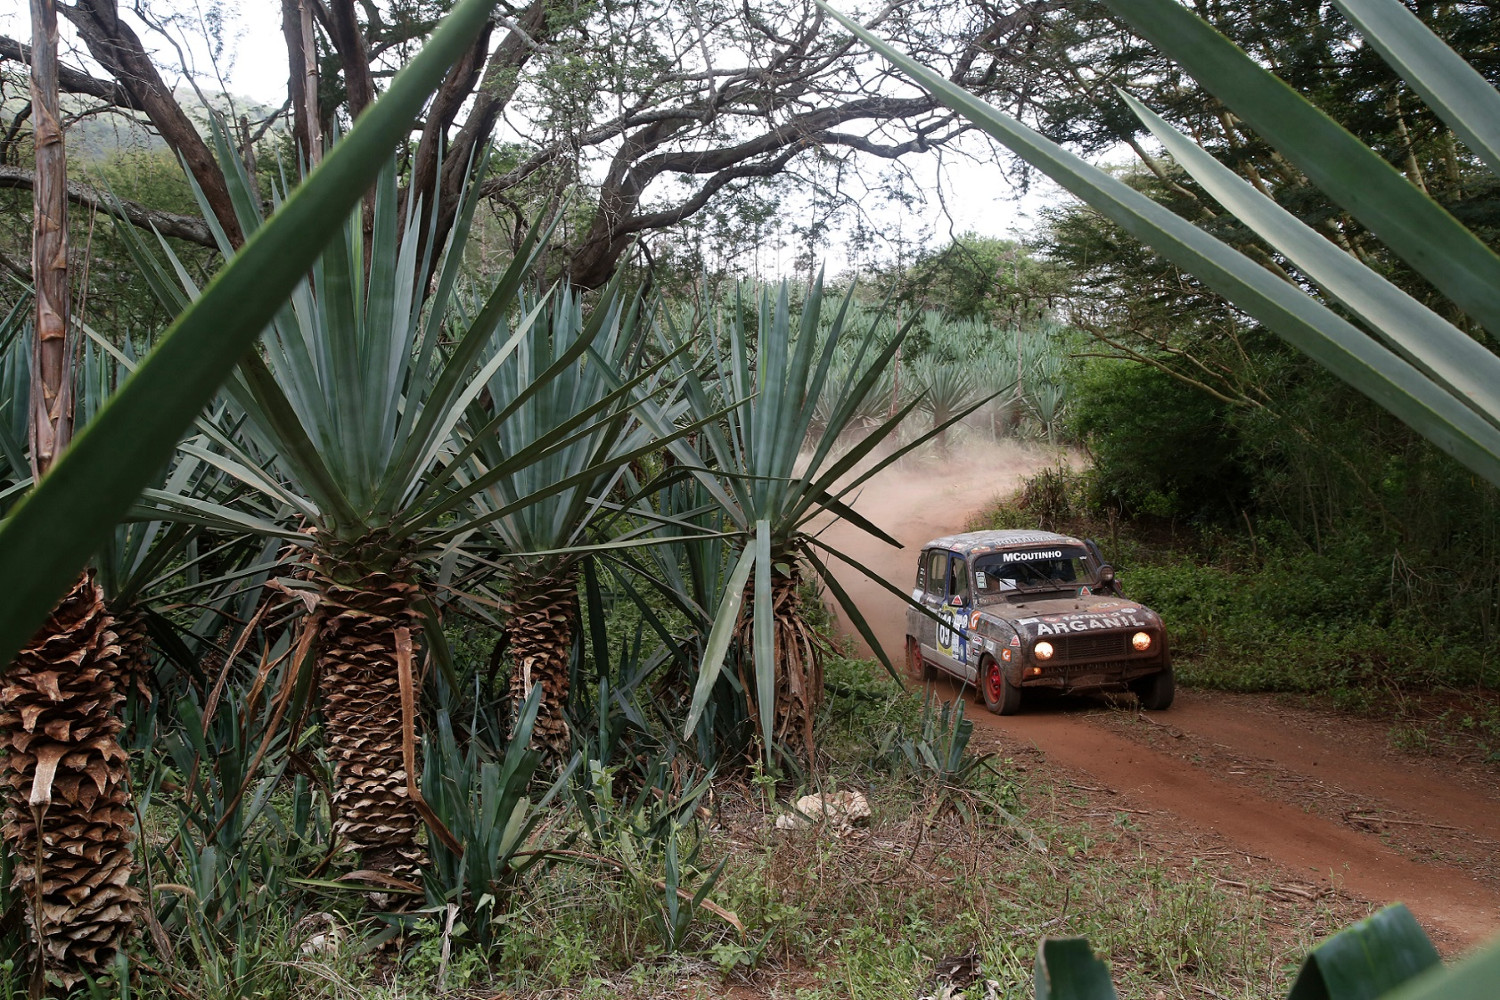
(1157, 691)
(918, 670)
(1000, 695)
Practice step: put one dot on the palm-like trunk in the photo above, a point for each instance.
(367, 624)
(134, 663)
(543, 620)
(67, 800)
(798, 655)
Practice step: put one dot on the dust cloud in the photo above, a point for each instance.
(923, 496)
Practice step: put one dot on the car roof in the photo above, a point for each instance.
(975, 542)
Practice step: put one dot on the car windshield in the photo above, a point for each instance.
(1031, 570)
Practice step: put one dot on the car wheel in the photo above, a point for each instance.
(1000, 695)
(918, 670)
(1156, 692)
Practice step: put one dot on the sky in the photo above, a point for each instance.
(967, 191)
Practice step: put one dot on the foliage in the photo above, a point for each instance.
(770, 378)
(1157, 446)
(51, 535)
(483, 799)
(980, 277)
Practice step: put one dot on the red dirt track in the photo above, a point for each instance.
(1305, 796)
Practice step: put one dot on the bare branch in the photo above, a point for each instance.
(74, 81)
(183, 227)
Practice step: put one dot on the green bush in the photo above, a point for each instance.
(1159, 446)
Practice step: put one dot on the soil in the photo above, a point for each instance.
(1300, 803)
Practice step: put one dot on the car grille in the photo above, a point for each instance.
(1112, 669)
(1106, 646)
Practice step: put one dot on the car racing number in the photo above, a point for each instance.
(951, 638)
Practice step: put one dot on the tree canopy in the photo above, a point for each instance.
(653, 109)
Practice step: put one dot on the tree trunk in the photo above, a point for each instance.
(67, 819)
(134, 663)
(798, 656)
(65, 775)
(364, 616)
(51, 422)
(543, 622)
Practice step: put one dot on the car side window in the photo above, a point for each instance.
(937, 573)
(958, 580)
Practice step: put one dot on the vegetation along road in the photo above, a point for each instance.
(1303, 801)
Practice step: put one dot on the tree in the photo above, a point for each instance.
(982, 277)
(658, 108)
(68, 819)
(1417, 353)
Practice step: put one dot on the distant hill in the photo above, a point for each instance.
(93, 137)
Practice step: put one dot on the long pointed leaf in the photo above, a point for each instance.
(1417, 228)
(1368, 959)
(763, 625)
(1286, 310)
(55, 530)
(1450, 86)
(1416, 332)
(719, 636)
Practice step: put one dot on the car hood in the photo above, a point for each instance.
(1063, 615)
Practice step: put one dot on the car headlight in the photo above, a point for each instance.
(1043, 650)
(1141, 641)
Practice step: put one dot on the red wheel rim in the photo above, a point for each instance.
(994, 684)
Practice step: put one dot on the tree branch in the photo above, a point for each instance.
(74, 81)
(183, 227)
(119, 49)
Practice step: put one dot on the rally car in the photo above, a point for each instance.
(1008, 611)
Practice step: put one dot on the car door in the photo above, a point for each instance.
(953, 635)
(934, 592)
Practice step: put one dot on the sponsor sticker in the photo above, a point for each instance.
(1031, 555)
(1005, 655)
(1088, 623)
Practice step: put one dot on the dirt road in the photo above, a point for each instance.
(1314, 802)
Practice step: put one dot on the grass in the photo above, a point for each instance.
(869, 913)
(945, 868)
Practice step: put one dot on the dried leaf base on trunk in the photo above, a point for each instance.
(359, 680)
(134, 674)
(543, 619)
(58, 725)
(798, 655)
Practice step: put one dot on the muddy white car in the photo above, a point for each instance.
(1012, 611)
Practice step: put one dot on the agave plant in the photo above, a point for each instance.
(361, 385)
(147, 561)
(51, 536)
(686, 573)
(65, 770)
(947, 387)
(15, 399)
(573, 381)
(775, 371)
(67, 817)
(360, 403)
